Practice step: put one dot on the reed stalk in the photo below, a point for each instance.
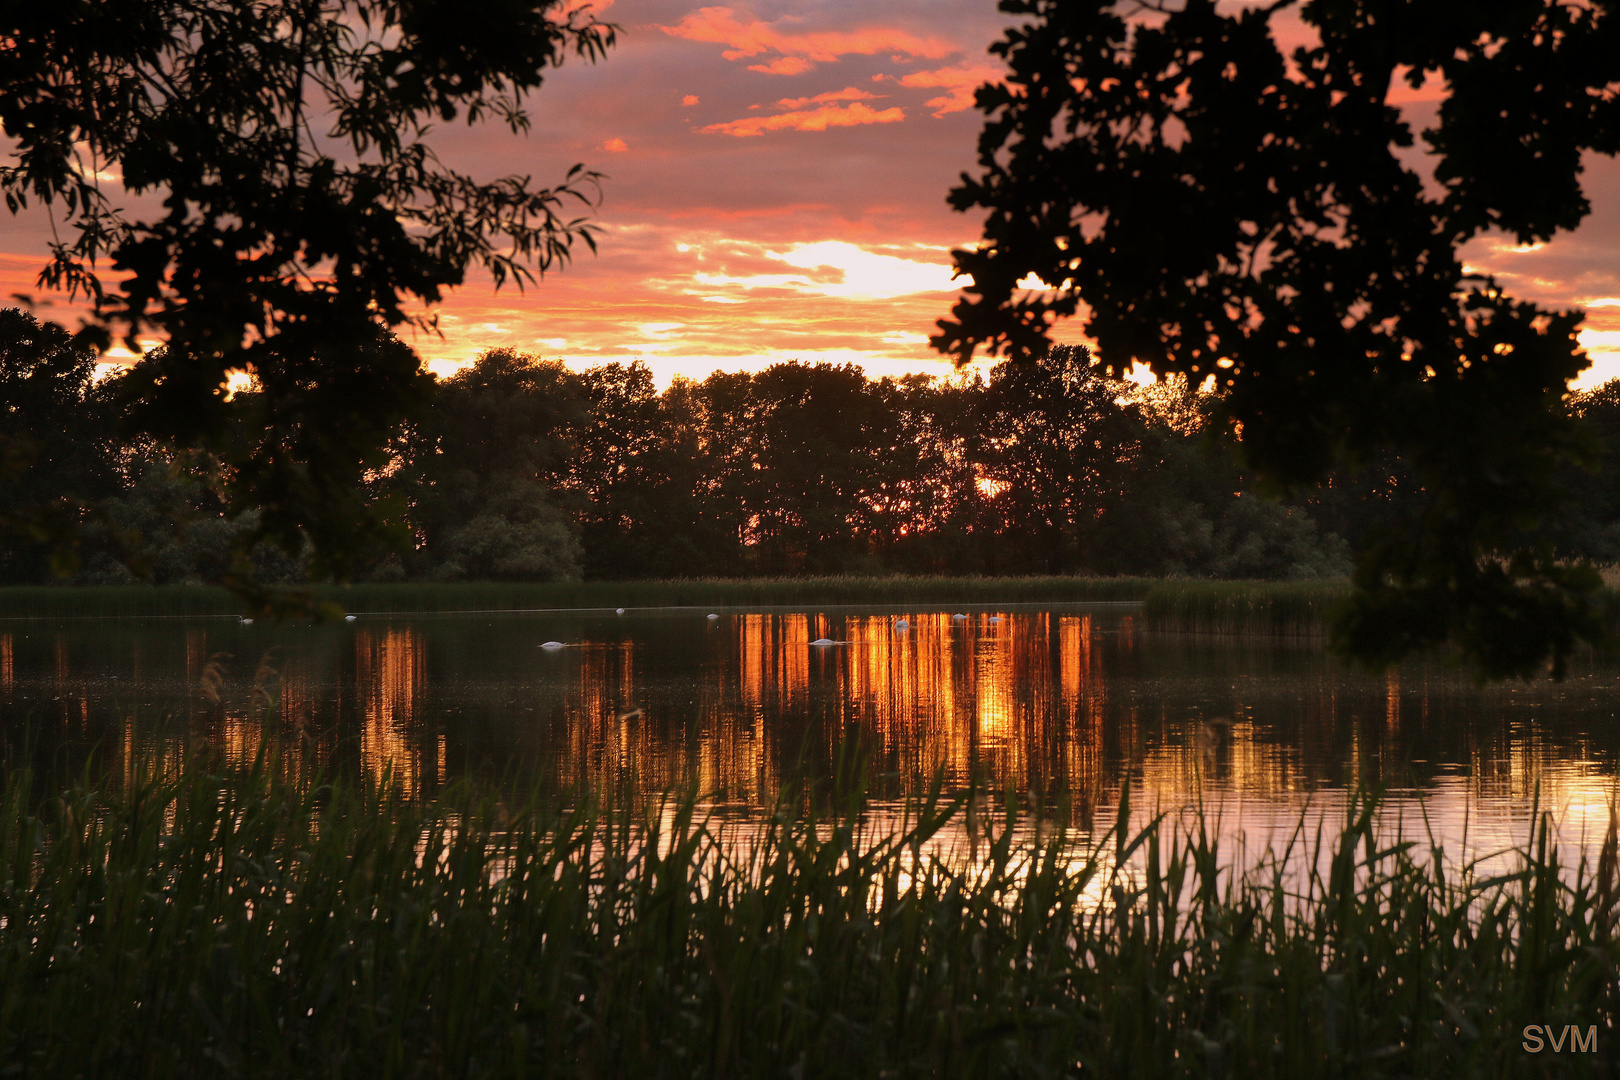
(246, 923)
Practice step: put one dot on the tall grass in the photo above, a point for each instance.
(79, 601)
(223, 923)
(1286, 608)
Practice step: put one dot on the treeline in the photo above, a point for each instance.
(520, 469)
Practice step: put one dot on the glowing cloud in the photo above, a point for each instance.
(841, 269)
(615, 146)
(960, 82)
(821, 119)
(848, 93)
(746, 37)
(689, 100)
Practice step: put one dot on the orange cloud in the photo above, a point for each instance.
(848, 93)
(959, 81)
(689, 99)
(820, 119)
(746, 37)
(615, 146)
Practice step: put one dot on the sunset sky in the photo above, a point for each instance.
(777, 181)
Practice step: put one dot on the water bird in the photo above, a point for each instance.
(712, 615)
(824, 641)
(995, 618)
(902, 624)
(631, 715)
(1210, 733)
(552, 645)
(958, 618)
(348, 618)
(246, 621)
(618, 611)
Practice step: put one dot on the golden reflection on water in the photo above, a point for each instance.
(1066, 704)
(389, 674)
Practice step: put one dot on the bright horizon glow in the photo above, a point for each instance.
(735, 236)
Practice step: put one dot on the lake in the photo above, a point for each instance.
(1065, 704)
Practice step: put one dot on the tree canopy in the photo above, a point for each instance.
(1218, 206)
(300, 214)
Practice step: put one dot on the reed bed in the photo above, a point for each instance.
(238, 923)
(1278, 608)
(68, 601)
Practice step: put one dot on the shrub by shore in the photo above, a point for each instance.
(1278, 608)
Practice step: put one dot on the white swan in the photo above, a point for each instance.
(552, 645)
(824, 641)
(902, 624)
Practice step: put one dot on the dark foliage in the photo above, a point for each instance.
(518, 469)
(288, 212)
(49, 469)
(1223, 210)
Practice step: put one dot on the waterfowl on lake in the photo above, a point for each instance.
(552, 645)
(1210, 732)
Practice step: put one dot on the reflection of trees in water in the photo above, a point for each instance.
(1061, 706)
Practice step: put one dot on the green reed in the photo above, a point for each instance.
(65, 601)
(236, 923)
(1287, 608)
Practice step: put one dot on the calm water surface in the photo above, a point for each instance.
(1070, 703)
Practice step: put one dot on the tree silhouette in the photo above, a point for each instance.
(303, 212)
(1060, 450)
(1224, 210)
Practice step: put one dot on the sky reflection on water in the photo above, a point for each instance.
(1066, 704)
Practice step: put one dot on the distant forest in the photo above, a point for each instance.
(523, 470)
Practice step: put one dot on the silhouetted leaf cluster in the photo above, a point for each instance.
(1223, 208)
(260, 178)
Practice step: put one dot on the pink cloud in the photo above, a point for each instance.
(960, 82)
(615, 146)
(848, 93)
(820, 119)
(745, 36)
(689, 100)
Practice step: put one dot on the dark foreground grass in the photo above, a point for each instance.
(233, 925)
(1286, 608)
(63, 601)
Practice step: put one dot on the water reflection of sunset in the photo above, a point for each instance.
(388, 678)
(1068, 705)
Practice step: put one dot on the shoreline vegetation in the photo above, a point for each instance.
(68, 601)
(249, 922)
(1290, 609)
